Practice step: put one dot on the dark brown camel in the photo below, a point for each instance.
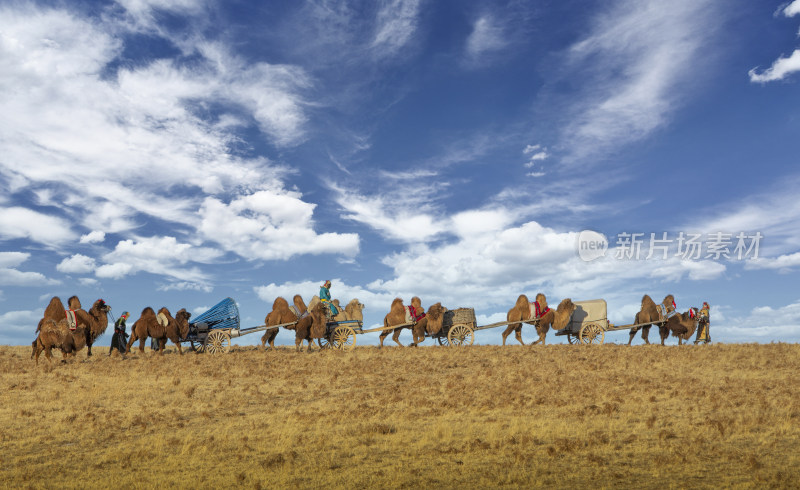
(649, 314)
(280, 314)
(682, 325)
(95, 320)
(312, 326)
(431, 324)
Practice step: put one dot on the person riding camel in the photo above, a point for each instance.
(325, 297)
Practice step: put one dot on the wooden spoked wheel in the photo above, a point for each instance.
(443, 341)
(325, 342)
(343, 338)
(460, 335)
(573, 339)
(592, 333)
(198, 346)
(218, 342)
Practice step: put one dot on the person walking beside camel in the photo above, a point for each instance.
(703, 334)
(120, 338)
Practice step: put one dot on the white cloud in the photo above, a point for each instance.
(10, 276)
(76, 264)
(17, 222)
(270, 225)
(631, 62)
(93, 237)
(763, 323)
(780, 69)
(396, 23)
(19, 327)
(792, 9)
(162, 256)
(783, 263)
(486, 37)
(150, 120)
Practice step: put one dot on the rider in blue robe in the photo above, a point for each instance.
(325, 296)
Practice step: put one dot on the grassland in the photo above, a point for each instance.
(483, 416)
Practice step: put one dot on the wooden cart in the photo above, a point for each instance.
(589, 323)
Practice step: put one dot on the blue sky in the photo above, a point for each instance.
(172, 153)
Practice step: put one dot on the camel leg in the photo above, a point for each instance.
(508, 331)
(142, 341)
(89, 349)
(518, 334)
(178, 344)
(162, 343)
(396, 337)
(646, 334)
(633, 334)
(130, 342)
(383, 335)
(33, 348)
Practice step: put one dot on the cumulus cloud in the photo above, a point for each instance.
(784, 263)
(164, 256)
(792, 9)
(270, 225)
(18, 222)
(76, 264)
(93, 237)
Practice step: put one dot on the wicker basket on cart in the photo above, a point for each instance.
(459, 316)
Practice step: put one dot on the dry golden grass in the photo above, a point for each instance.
(483, 416)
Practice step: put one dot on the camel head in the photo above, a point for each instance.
(354, 310)
(182, 317)
(669, 303)
(564, 313)
(100, 306)
(435, 317)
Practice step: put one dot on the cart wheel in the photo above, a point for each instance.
(592, 333)
(573, 339)
(325, 342)
(443, 341)
(343, 338)
(218, 342)
(460, 335)
(198, 346)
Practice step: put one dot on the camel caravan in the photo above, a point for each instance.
(330, 325)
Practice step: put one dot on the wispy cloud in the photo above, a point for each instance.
(11, 276)
(146, 135)
(395, 25)
(487, 37)
(631, 63)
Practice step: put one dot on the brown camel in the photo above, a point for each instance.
(557, 319)
(649, 314)
(54, 311)
(161, 326)
(682, 325)
(57, 335)
(354, 310)
(431, 324)
(312, 326)
(95, 320)
(523, 311)
(281, 313)
(397, 316)
(341, 313)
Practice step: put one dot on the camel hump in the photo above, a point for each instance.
(162, 319)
